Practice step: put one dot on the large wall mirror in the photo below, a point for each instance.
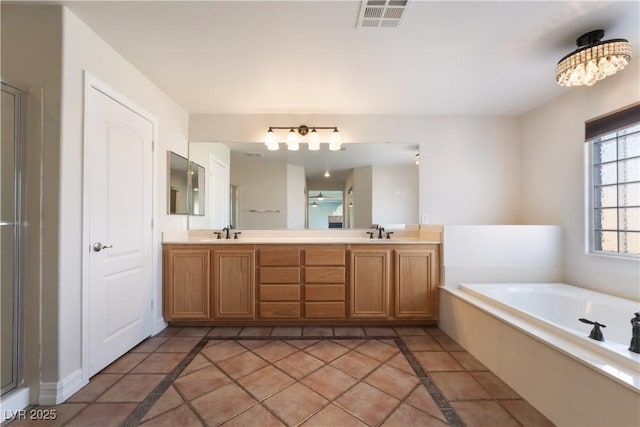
(186, 186)
(251, 187)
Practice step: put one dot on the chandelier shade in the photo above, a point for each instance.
(593, 61)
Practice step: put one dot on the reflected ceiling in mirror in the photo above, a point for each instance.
(338, 163)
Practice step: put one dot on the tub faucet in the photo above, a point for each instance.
(635, 333)
(596, 333)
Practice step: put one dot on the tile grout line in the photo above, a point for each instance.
(433, 390)
(143, 407)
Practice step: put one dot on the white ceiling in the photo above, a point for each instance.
(448, 58)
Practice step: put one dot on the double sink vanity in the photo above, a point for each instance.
(300, 278)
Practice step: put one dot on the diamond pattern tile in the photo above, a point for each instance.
(343, 376)
(222, 404)
(266, 382)
(367, 403)
(242, 364)
(326, 350)
(329, 382)
(299, 364)
(392, 381)
(295, 404)
(201, 382)
(378, 350)
(355, 364)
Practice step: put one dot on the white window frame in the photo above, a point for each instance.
(590, 205)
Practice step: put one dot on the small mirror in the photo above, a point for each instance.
(177, 200)
(198, 194)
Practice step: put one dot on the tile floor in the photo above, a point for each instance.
(311, 376)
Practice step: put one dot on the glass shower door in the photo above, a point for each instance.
(10, 237)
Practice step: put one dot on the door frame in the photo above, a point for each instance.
(90, 82)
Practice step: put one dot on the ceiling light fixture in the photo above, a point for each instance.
(327, 174)
(314, 204)
(593, 60)
(293, 143)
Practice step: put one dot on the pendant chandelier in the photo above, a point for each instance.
(593, 60)
(293, 142)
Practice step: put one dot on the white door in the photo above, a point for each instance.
(219, 193)
(118, 144)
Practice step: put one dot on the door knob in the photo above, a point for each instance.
(97, 247)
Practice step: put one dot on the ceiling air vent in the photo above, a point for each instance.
(382, 13)
(253, 154)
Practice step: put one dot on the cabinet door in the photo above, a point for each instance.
(234, 284)
(187, 285)
(416, 283)
(369, 283)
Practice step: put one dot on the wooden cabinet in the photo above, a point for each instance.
(234, 284)
(370, 283)
(186, 292)
(276, 284)
(416, 279)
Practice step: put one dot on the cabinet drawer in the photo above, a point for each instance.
(324, 292)
(324, 310)
(280, 275)
(324, 275)
(317, 256)
(280, 256)
(280, 293)
(280, 310)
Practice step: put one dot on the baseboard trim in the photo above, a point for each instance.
(54, 393)
(158, 326)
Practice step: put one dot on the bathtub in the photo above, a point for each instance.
(530, 336)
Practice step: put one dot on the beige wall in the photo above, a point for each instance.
(32, 58)
(48, 48)
(553, 177)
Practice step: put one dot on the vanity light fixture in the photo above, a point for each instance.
(593, 60)
(417, 159)
(293, 143)
(314, 204)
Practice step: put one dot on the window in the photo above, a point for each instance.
(615, 184)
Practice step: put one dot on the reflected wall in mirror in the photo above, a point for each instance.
(177, 200)
(197, 201)
(186, 186)
(378, 184)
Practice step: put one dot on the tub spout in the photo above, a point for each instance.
(635, 333)
(596, 333)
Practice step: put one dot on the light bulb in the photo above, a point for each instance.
(292, 141)
(270, 138)
(336, 140)
(314, 140)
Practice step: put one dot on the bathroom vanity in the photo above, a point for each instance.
(300, 281)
